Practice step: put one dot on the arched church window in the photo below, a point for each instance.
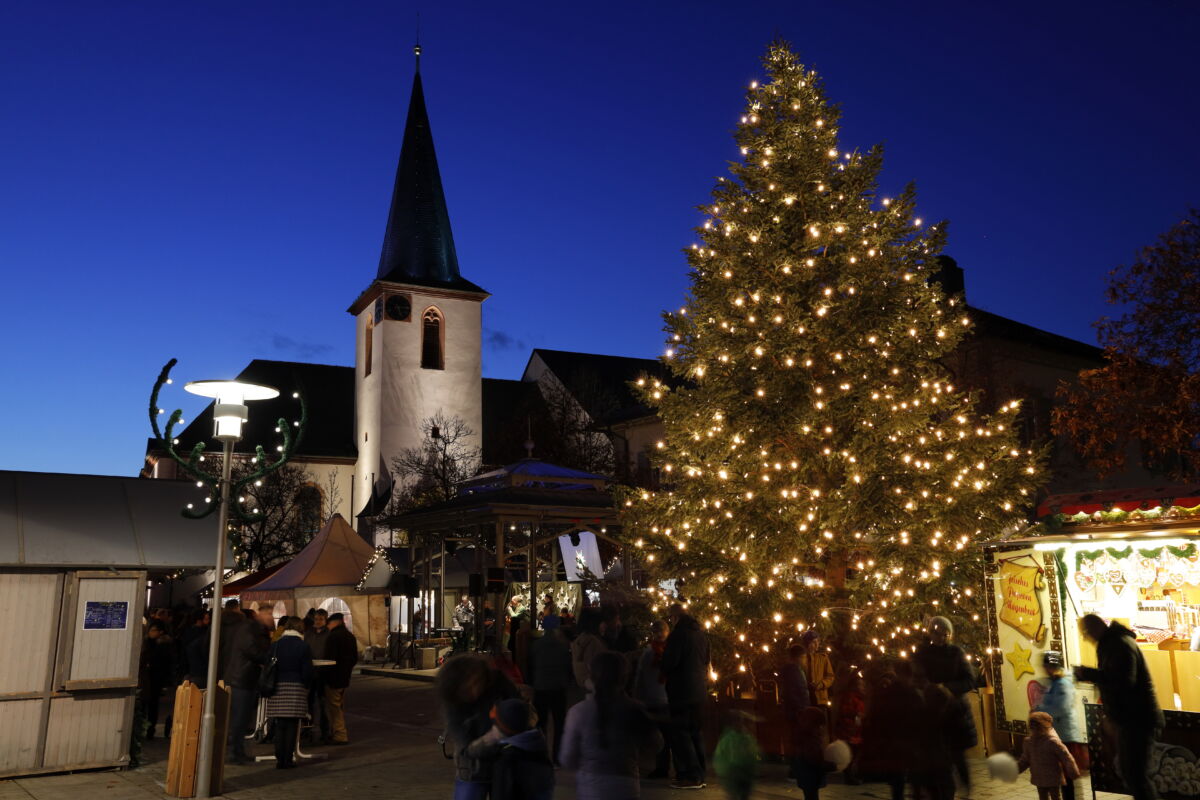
(431, 340)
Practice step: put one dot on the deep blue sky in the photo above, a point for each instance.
(209, 180)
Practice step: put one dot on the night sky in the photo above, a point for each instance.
(209, 180)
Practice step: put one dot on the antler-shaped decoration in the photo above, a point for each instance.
(167, 439)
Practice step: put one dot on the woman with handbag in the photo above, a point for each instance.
(291, 666)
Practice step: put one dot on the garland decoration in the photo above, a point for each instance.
(166, 439)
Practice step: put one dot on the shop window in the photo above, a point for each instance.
(432, 334)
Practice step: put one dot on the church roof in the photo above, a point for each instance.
(328, 391)
(418, 246)
(532, 472)
(601, 384)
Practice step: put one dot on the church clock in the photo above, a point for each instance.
(398, 307)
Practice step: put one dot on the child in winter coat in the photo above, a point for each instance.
(1059, 703)
(1046, 757)
(521, 768)
(736, 757)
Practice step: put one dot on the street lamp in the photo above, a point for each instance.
(229, 413)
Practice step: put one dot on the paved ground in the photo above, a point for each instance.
(394, 753)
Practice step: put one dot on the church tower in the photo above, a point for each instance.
(418, 325)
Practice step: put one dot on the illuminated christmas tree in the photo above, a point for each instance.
(819, 465)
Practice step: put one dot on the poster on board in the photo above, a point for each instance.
(105, 615)
(1020, 605)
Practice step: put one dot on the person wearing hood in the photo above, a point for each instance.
(1049, 762)
(521, 768)
(1127, 697)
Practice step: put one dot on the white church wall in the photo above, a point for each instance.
(367, 403)
(399, 394)
(335, 481)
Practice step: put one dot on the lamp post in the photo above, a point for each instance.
(229, 413)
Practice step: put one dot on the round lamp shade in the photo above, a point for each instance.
(229, 410)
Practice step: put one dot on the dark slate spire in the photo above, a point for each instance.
(417, 245)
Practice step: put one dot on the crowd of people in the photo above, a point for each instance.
(586, 695)
(598, 702)
(310, 660)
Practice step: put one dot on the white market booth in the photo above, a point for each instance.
(1130, 556)
(76, 553)
(324, 575)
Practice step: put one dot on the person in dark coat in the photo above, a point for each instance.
(616, 636)
(155, 671)
(243, 657)
(316, 634)
(1127, 697)
(940, 662)
(793, 696)
(889, 748)
(521, 768)
(289, 704)
(194, 647)
(469, 687)
(685, 664)
(936, 733)
(550, 661)
(341, 648)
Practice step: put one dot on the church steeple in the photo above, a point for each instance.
(418, 246)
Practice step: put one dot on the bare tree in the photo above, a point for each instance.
(292, 506)
(431, 472)
(567, 435)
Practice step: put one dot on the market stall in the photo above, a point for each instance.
(324, 575)
(1133, 557)
(77, 555)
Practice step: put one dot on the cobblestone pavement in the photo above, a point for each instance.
(394, 754)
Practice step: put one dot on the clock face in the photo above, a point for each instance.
(398, 307)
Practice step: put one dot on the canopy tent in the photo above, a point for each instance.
(324, 575)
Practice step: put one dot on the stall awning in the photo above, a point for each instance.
(1145, 498)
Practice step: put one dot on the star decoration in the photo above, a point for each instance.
(1019, 659)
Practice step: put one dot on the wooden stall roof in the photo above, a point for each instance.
(65, 520)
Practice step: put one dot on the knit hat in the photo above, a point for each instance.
(511, 716)
(809, 635)
(1040, 723)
